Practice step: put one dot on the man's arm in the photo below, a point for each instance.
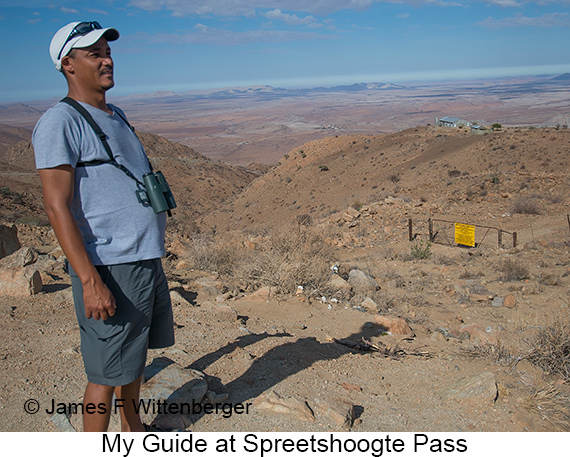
(58, 184)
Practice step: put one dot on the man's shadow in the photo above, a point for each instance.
(275, 365)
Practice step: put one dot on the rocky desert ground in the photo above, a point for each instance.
(312, 290)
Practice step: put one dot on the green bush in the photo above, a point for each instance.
(420, 250)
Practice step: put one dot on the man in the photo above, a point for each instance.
(112, 241)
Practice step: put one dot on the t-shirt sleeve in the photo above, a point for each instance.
(56, 140)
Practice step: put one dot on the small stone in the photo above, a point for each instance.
(394, 325)
(509, 301)
(497, 301)
(370, 305)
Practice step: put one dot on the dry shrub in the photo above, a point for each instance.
(549, 280)
(550, 405)
(550, 348)
(295, 256)
(214, 255)
(525, 206)
(513, 270)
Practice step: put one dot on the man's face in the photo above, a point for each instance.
(92, 67)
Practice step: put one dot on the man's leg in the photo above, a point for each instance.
(98, 395)
(130, 419)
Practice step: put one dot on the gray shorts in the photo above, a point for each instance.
(114, 350)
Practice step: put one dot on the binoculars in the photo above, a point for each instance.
(156, 193)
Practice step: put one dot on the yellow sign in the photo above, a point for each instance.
(465, 234)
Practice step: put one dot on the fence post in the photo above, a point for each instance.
(500, 234)
(514, 239)
(410, 230)
(430, 228)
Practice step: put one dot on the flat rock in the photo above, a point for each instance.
(169, 382)
(275, 403)
(338, 411)
(480, 387)
(21, 258)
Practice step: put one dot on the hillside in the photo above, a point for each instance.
(444, 170)
(198, 183)
(9, 135)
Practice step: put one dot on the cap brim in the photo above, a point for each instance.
(84, 41)
(92, 37)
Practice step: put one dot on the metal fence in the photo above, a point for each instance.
(443, 232)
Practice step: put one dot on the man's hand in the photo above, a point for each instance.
(98, 300)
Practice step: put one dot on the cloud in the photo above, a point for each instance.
(289, 19)
(202, 34)
(65, 10)
(505, 3)
(96, 11)
(250, 8)
(546, 20)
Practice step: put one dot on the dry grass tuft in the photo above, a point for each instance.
(498, 353)
(525, 206)
(550, 348)
(550, 405)
(513, 270)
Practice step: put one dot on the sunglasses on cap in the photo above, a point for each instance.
(83, 28)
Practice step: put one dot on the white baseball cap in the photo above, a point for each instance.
(77, 35)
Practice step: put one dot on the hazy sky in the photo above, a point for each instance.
(184, 45)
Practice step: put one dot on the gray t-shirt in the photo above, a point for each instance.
(115, 226)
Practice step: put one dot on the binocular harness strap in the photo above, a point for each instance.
(103, 137)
